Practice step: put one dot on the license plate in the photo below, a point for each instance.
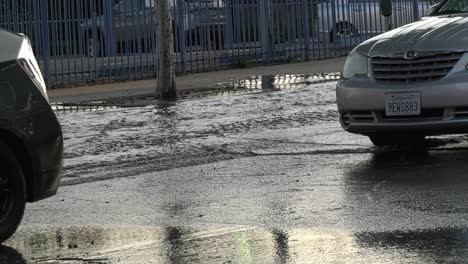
(401, 104)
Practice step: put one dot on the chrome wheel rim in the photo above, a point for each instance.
(345, 32)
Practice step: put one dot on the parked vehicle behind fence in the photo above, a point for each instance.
(341, 19)
(131, 27)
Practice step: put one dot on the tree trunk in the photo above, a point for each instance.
(166, 86)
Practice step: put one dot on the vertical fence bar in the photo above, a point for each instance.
(305, 28)
(229, 31)
(66, 21)
(264, 9)
(60, 42)
(181, 34)
(415, 10)
(45, 39)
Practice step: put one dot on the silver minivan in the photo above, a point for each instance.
(411, 82)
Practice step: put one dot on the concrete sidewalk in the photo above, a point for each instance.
(191, 81)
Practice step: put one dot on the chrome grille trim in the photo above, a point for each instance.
(405, 71)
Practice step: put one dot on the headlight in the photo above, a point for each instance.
(356, 64)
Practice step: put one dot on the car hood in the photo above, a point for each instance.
(445, 33)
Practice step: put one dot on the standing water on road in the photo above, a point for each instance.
(258, 171)
(229, 123)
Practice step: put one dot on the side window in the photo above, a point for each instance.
(128, 6)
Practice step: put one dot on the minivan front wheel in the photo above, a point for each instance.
(12, 193)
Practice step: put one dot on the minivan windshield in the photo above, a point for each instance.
(453, 7)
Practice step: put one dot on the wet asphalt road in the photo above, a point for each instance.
(261, 174)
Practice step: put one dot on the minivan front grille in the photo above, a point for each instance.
(420, 69)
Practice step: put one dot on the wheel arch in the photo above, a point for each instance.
(24, 157)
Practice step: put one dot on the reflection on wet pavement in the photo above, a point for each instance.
(279, 82)
(431, 246)
(234, 245)
(380, 207)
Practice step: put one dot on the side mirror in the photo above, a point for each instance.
(431, 10)
(385, 7)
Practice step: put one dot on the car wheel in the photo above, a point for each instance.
(12, 193)
(343, 30)
(382, 140)
(94, 46)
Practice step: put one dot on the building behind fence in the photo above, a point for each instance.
(90, 41)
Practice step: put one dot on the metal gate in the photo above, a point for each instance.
(90, 41)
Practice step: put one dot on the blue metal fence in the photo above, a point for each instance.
(89, 41)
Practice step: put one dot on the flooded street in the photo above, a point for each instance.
(257, 172)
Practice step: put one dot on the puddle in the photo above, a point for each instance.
(279, 82)
(255, 84)
(433, 246)
(233, 244)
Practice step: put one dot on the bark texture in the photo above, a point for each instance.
(166, 85)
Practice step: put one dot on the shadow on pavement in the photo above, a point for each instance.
(10, 256)
(417, 199)
(441, 245)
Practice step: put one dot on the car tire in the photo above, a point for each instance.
(342, 30)
(382, 140)
(12, 193)
(94, 48)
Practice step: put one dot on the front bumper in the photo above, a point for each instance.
(444, 107)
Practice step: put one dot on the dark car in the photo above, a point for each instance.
(31, 143)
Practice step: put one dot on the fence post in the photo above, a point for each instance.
(180, 29)
(109, 37)
(305, 28)
(265, 25)
(415, 10)
(43, 6)
(229, 22)
(334, 23)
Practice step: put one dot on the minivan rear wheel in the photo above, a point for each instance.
(12, 193)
